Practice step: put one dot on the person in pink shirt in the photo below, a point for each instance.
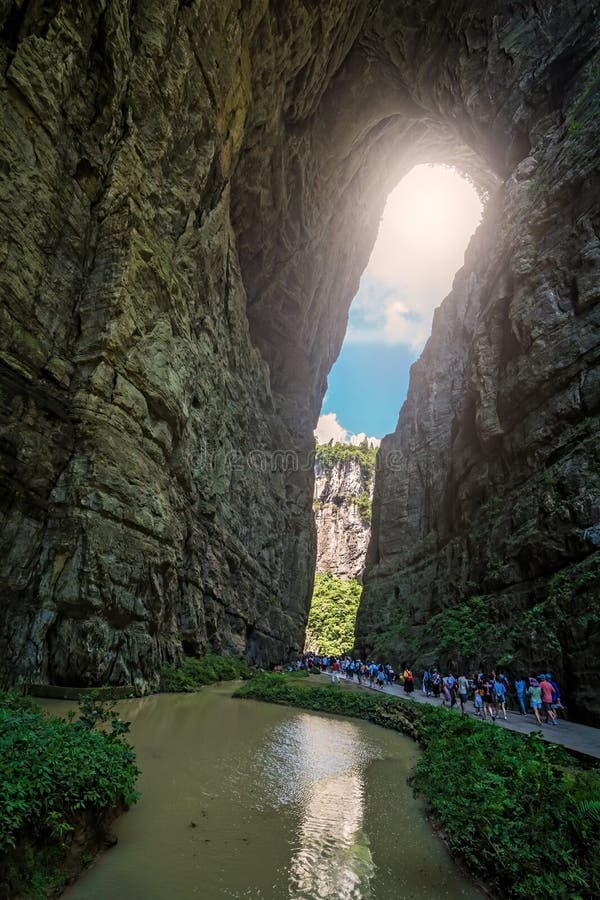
(547, 692)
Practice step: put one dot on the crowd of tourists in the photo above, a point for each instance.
(490, 693)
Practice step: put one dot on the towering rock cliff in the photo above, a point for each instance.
(190, 193)
(344, 478)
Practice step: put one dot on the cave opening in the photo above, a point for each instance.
(427, 222)
(426, 225)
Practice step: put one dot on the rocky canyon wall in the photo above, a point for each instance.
(344, 478)
(190, 192)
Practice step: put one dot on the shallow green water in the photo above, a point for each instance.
(249, 800)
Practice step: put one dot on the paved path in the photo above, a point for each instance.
(580, 738)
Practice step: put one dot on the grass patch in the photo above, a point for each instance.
(194, 673)
(519, 812)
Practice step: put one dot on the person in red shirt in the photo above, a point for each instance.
(547, 692)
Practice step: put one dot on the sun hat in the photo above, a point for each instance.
(534, 682)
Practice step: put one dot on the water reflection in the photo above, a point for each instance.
(317, 764)
(251, 800)
(333, 858)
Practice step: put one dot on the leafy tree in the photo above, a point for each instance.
(330, 628)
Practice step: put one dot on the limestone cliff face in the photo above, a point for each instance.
(342, 505)
(190, 193)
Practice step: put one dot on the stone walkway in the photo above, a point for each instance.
(580, 738)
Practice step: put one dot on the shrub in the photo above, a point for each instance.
(512, 807)
(193, 673)
(56, 775)
(50, 768)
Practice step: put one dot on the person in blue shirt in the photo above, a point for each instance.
(500, 694)
(521, 688)
(426, 683)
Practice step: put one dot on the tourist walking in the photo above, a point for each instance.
(372, 673)
(547, 693)
(535, 698)
(436, 683)
(447, 682)
(487, 686)
(426, 683)
(409, 684)
(500, 695)
(520, 688)
(463, 693)
(556, 702)
(335, 671)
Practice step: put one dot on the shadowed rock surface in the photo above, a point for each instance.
(190, 193)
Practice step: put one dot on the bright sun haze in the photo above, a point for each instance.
(424, 231)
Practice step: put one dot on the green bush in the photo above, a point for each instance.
(53, 773)
(193, 673)
(330, 627)
(50, 768)
(517, 810)
(462, 632)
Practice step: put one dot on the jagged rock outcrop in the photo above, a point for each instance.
(191, 192)
(344, 478)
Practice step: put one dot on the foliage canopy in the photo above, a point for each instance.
(330, 628)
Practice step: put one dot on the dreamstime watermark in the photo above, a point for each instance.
(222, 461)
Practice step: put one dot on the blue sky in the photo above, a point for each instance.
(424, 231)
(367, 386)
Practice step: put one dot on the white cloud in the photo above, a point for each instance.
(424, 231)
(329, 429)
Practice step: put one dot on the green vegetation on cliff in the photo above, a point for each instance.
(478, 630)
(330, 455)
(363, 502)
(330, 628)
(518, 811)
(193, 673)
(57, 777)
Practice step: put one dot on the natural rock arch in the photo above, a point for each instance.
(146, 152)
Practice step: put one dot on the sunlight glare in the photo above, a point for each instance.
(428, 218)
